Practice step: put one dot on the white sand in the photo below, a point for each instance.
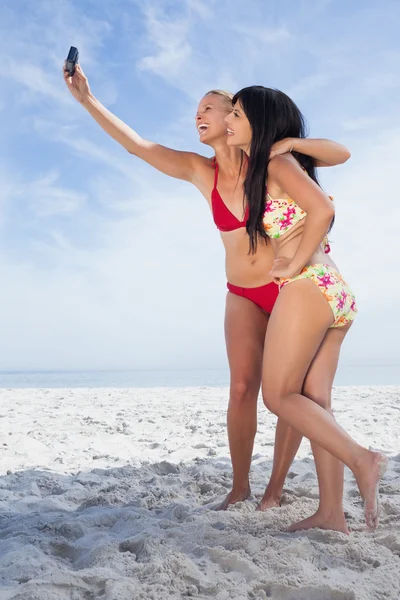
(109, 495)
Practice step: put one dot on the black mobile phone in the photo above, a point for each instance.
(71, 61)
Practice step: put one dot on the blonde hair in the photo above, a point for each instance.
(223, 93)
(227, 96)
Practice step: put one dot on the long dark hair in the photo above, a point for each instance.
(273, 116)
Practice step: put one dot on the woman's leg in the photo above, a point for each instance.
(330, 471)
(318, 387)
(296, 330)
(287, 442)
(245, 327)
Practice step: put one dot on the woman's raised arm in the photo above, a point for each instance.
(174, 163)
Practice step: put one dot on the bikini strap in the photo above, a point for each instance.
(215, 165)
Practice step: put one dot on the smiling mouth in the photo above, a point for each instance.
(230, 131)
(202, 128)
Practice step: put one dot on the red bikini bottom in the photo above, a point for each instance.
(264, 296)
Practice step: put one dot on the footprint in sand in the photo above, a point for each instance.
(134, 545)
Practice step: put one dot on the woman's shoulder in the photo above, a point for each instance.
(204, 171)
(204, 162)
(282, 161)
(284, 167)
(283, 172)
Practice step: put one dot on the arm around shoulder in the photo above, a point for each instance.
(295, 182)
(325, 153)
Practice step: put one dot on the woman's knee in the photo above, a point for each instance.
(273, 393)
(272, 397)
(320, 394)
(243, 392)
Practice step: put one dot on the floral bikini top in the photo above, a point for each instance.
(281, 214)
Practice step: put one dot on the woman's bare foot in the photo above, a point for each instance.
(233, 497)
(332, 521)
(269, 500)
(369, 471)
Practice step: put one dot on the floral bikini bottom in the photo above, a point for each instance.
(334, 288)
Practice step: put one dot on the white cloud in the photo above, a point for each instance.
(263, 35)
(136, 301)
(365, 242)
(202, 9)
(9, 189)
(122, 267)
(170, 39)
(33, 77)
(47, 198)
(364, 123)
(183, 49)
(42, 196)
(117, 160)
(310, 85)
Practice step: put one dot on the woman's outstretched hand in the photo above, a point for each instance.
(282, 147)
(77, 84)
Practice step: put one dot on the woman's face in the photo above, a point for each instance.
(238, 128)
(210, 118)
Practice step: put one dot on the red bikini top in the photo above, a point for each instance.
(224, 219)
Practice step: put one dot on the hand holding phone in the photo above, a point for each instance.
(72, 60)
(75, 78)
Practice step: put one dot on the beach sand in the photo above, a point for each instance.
(108, 493)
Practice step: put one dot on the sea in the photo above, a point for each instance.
(367, 373)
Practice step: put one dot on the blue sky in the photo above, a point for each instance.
(107, 264)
